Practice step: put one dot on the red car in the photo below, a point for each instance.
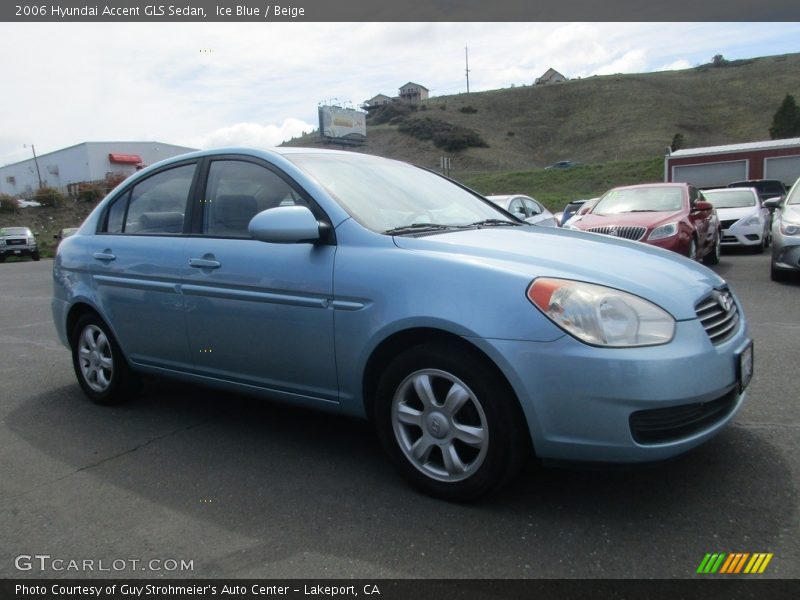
(674, 216)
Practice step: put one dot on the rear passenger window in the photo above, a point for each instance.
(158, 204)
(237, 191)
(116, 214)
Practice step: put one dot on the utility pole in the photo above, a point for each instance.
(466, 70)
(36, 162)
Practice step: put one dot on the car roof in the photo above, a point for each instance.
(729, 189)
(650, 185)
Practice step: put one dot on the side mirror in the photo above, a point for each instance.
(285, 225)
(702, 205)
(772, 203)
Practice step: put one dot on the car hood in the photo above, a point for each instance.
(669, 280)
(726, 214)
(640, 219)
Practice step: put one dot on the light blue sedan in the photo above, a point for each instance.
(369, 287)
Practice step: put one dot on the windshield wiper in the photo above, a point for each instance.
(417, 228)
(491, 222)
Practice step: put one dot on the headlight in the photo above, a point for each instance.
(663, 231)
(752, 220)
(31, 241)
(601, 316)
(789, 228)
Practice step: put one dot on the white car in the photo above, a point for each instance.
(744, 220)
(525, 208)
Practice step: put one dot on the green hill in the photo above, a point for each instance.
(598, 119)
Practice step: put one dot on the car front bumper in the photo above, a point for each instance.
(785, 251)
(18, 250)
(743, 235)
(595, 404)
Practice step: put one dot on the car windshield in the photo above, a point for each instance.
(14, 231)
(794, 196)
(731, 198)
(387, 196)
(644, 199)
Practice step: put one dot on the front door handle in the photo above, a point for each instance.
(204, 263)
(104, 255)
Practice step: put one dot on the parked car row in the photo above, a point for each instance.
(751, 214)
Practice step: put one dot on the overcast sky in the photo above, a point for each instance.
(257, 84)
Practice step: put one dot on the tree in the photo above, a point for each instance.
(786, 121)
(718, 60)
(677, 142)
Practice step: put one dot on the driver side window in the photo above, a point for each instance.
(239, 190)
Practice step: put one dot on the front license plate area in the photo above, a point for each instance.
(745, 367)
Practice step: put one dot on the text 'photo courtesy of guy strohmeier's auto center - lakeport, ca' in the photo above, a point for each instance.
(364, 304)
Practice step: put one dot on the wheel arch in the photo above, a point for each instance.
(401, 341)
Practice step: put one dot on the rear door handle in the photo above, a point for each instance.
(204, 263)
(104, 256)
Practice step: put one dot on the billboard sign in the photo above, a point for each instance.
(342, 123)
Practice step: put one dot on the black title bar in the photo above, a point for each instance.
(399, 11)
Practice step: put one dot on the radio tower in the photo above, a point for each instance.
(466, 70)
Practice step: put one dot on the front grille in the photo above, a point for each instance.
(626, 232)
(726, 224)
(660, 425)
(16, 242)
(718, 315)
(729, 238)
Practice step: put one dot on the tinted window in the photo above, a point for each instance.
(532, 207)
(239, 190)
(516, 208)
(116, 214)
(158, 203)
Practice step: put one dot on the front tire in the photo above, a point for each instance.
(712, 258)
(450, 422)
(36, 256)
(101, 369)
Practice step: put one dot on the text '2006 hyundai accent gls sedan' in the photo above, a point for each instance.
(373, 288)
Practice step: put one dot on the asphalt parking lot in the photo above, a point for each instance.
(243, 488)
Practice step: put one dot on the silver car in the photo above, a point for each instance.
(526, 209)
(785, 234)
(744, 220)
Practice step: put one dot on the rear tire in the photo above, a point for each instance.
(102, 370)
(450, 422)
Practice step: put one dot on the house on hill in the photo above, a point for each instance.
(377, 101)
(413, 92)
(550, 76)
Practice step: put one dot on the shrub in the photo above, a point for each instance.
(468, 109)
(91, 193)
(8, 203)
(48, 196)
(443, 134)
(387, 112)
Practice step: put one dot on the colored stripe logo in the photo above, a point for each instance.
(734, 563)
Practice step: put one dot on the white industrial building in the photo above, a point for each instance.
(86, 162)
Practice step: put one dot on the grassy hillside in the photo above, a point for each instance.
(556, 187)
(600, 119)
